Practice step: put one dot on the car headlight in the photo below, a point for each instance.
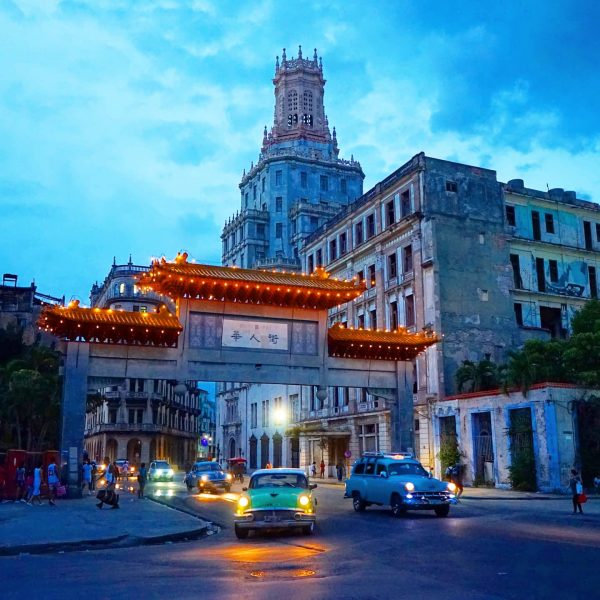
(132, 469)
(243, 502)
(452, 486)
(228, 476)
(170, 472)
(159, 472)
(204, 478)
(304, 500)
(410, 486)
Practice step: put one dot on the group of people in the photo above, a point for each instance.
(108, 495)
(29, 483)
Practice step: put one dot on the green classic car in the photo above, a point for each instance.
(276, 499)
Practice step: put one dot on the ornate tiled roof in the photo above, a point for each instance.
(181, 279)
(110, 326)
(377, 344)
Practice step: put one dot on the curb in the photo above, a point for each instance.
(210, 525)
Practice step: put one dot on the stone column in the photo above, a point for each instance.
(402, 411)
(73, 414)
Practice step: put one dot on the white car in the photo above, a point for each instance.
(160, 470)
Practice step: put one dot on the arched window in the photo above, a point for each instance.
(231, 447)
(121, 289)
(253, 451)
(264, 450)
(277, 445)
(308, 101)
(116, 289)
(292, 101)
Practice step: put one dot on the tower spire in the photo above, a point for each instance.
(300, 52)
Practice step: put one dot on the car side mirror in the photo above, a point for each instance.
(244, 489)
(383, 474)
(312, 486)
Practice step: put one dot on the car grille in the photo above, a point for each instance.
(430, 495)
(282, 515)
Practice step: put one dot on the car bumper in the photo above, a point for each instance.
(248, 521)
(222, 486)
(426, 503)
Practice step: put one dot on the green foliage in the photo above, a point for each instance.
(477, 377)
(587, 320)
(522, 471)
(29, 396)
(449, 453)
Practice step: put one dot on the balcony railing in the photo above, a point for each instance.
(138, 428)
(279, 263)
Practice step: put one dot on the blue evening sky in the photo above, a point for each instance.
(125, 124)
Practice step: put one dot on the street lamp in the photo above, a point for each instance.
(279, 415)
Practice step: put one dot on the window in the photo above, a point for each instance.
(393, 315)
(343, 245)
(371, 279)
(451, 186)
(310, 264)
(122, 289)
(593, 282)
(405, 204)
(260, 230)
(278, 204)
(278, 177)
(303, 179)
(587, 234)
(254, 192)
(390, 213)
(535, 224)
(262, 184)
(265, 413)
(361, 321)
(358, 233)
(549, 220)
(319, 257)
(136, 308)
(553, 268)
(598, 232)
(278, 230)
(410, 310)
(392, 265)
(143, 309)
(360, 275)
(307, 101)
(516, 267)
(370, 226)
(324, 183)
(407, 259)
(314, 223)
(541, 276)
(373, 318)
(332, 250)
(343, 186)
(511, 218)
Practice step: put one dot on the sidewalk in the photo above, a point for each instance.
(79, 524)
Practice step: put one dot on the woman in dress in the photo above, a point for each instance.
(576, 489)
(37, 482)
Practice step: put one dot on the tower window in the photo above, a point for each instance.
(324, 183)
(308, 101)
(343, 186)
(292, 101)
(278, 204)
(278, 177)
(303, 179)
(278, 230)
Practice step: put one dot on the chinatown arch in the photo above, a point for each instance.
(231, 324)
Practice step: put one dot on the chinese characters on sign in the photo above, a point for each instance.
(255, 334)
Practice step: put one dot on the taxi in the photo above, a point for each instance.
(276, 499)
(399, 481)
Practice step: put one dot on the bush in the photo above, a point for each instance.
(522, 472)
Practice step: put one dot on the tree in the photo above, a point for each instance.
(477, 377)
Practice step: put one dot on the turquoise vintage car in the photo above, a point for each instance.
(276, 499)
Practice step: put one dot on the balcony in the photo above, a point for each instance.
(284, 263)
(138, 428)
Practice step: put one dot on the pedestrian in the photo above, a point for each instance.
(109, 475)
(313, 469)
(20, 481)
(322, 465)
(457, 479)
(339, 471)
(576, 489)
(87, 477)
(53, 482)
(597, 484)
(142, 476)
(94, 475)
(29, 486)
(37, 484)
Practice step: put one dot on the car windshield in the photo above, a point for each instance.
(400, 468)
(265, 480)
(161, 464)
(207, 467)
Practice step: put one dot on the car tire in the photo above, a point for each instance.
(442, 511)
(240, 534)
(308, 529)
(358, 503)
(397, 509)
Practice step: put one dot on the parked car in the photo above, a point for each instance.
(208, 476)
(276, 499)
(160, 470)
(397, 480)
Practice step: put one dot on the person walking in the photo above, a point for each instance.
(142, 477)
(576, 489)
(313, 469)
(87, 477)
(94, 475)
(53, 482)
(339, 471)
(37, 484)
(322, 468)
(457, 479)
(20, 481)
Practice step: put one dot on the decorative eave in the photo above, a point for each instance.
(107, 326)
(377, 344)
(180, 279)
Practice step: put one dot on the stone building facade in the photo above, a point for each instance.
(298, 183)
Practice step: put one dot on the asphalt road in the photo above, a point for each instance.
(484, 550)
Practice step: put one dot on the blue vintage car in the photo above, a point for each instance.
(398, 481)
(207, 476)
